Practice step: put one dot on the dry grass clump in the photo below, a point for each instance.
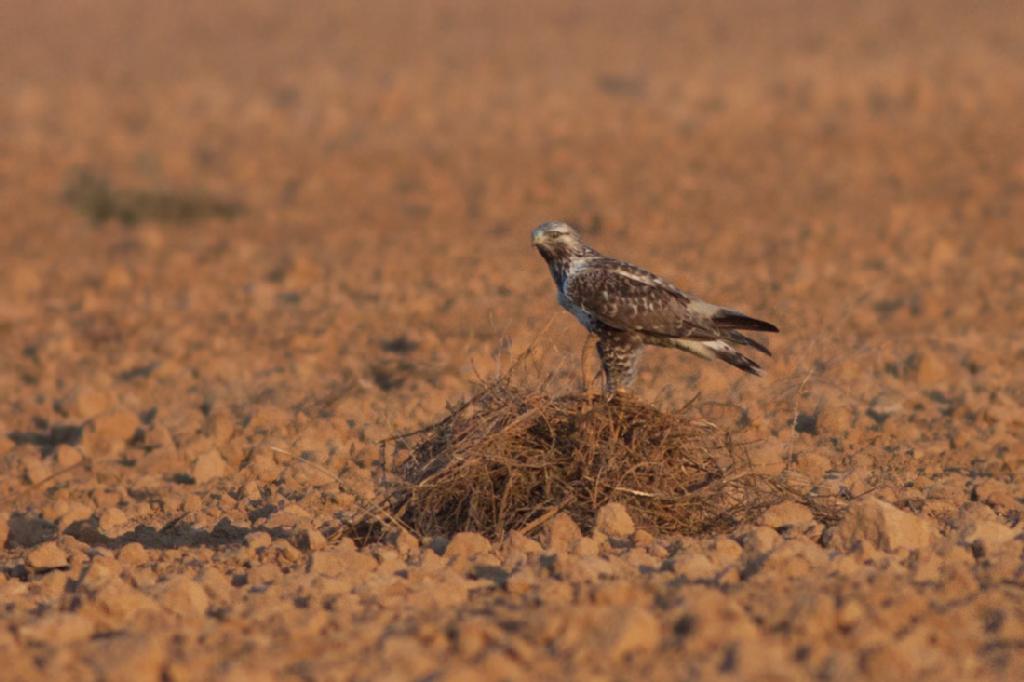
(94, 197)
(512, 457)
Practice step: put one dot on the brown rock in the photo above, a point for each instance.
(133, 554)
(929, 369)
(263, 574)
(886, 404)
(614, 521)
(694, 566)
(467, 545)
(554, 592)
(25, 279)
(927, 569)
(263, 466)
(311, 539)
(267, 418)
(117, 426)
(769, 458)
(850, 613)
(630, 631)
(10, 590)
(723, 551)
(521, 582)
(53, 585)
(258, 539)
(208, 466)
(132, 658)
(113, 522)
(107, 434)
(943, 253)
(473, 635)
(814, 465)
(760, 540)
(342, 559)
(37, 469)
(996, 494)
(251, 491)
(621, 593)
(290, 516)
(5, 528)
(193, 503)
(100, 571)
(882, 525)
(117, 277)
(47, 555)
(794, 558)
(582, 569)
(68, 456)
(220, 426)
(183, 596)
(519, 542)
(643, 538)
(285, 552)
(57, 629)
(216, 583)
(588, 547)
(121, 602)
(406, 543)
(86, 402)
(980, 527)
(562, 533)
(834, 419)
(242, 671)
(76, 511)
(788, 513)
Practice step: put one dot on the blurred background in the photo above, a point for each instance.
(241, 242)
(340, 193)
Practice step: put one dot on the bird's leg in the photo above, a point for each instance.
(620, 353)
(583, 364)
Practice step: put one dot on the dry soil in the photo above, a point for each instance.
(242, 242)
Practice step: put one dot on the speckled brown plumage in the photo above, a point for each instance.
(627, 307)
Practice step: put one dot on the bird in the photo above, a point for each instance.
(628, 308)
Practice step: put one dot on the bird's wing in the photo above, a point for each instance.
(626, 297)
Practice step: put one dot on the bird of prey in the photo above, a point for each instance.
(628, 308)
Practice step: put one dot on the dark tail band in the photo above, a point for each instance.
(730, 319)
(739, 360)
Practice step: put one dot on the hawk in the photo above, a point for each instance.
(628, 308)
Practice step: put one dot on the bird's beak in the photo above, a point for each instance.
(538, 237)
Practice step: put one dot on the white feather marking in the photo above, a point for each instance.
(720, 346)
(576, 264)
(637, 277)
(704, 349)
(703, 308)
(583, 316)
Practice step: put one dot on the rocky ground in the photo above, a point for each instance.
(242, 243)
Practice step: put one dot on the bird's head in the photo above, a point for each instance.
(558, 239)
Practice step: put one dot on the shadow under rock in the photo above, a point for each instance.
(48, 440)
(174, 535)
(28, 530)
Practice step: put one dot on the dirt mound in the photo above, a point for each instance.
(514, 456)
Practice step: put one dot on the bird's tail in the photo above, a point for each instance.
(719, 349)
(727, 353)
(729, 324)
(732, 319)
(740, 339)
